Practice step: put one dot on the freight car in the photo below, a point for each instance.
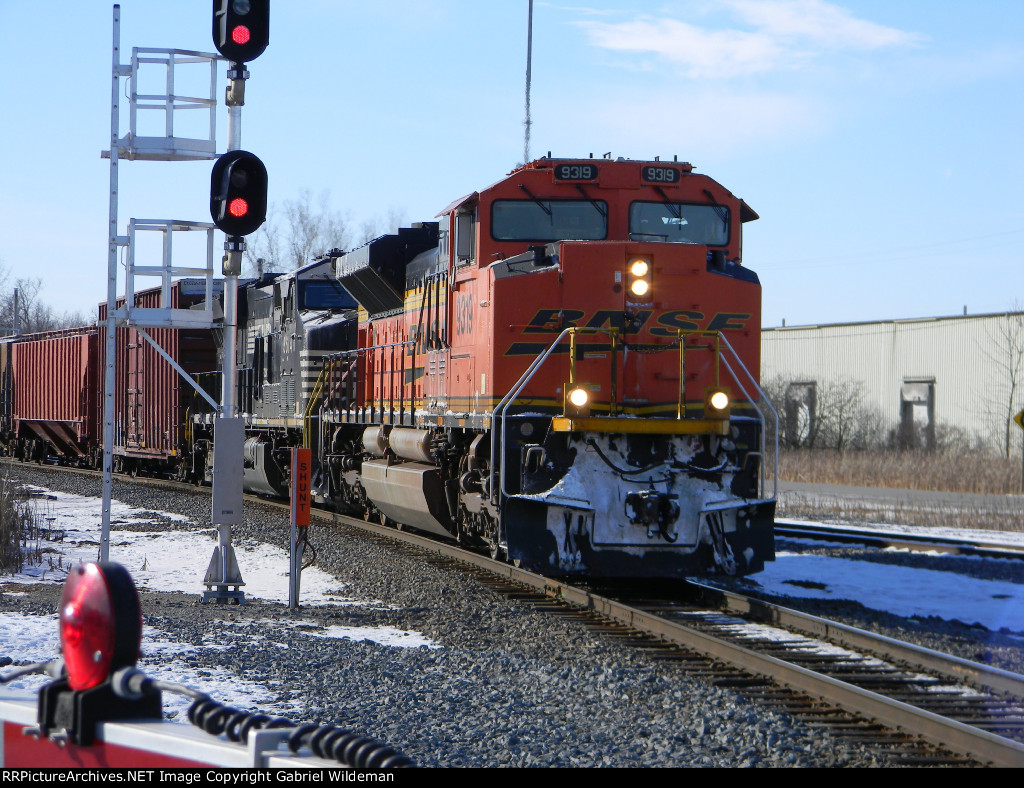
(562, 370)
(151, 400)
(50, 395)
(52, 392)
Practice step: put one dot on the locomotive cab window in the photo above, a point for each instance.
(324, 295)
(549, 220)
(465, 236)
(677, 222)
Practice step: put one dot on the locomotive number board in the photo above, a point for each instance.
(576, 172)
(654, 174)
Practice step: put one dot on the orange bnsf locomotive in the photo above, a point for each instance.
(563, 369)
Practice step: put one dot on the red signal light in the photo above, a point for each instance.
(238, 193)
(241, 28)
(100, 623)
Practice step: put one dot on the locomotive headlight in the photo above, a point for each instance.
(716, 403)
(579, 397)
(639, 270)
(639, 287)
(577, 401)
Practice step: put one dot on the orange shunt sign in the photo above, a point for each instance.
(302, 468)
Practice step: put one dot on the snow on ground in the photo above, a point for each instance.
(167, 560)
(935, 532)
(30, 639)
(174, 561)
(745, 630)
(905, 591)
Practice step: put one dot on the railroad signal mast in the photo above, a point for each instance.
(238, 204)
(238, 207)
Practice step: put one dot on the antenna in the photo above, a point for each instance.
(529, 59)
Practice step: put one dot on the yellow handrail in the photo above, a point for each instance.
(307, 417)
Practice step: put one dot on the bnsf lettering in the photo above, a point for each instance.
(726, 321)
(551, 321)
(671, 322)
(618, 319)
(667, 324)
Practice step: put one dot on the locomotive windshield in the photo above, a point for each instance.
(549, 220)
(679, 223)
(325, 294)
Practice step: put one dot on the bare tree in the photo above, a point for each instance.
(1006, 351)
(379, 225)
(33, 314)
(300, 231)
(263, 248)
(305, 232)
(844, 418)
(831, 414)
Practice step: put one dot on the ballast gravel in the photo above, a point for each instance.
(505, 685)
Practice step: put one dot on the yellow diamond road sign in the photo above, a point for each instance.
(1019, 418)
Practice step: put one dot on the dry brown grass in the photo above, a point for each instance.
(968, 472)
(19, 531)
(845, 511)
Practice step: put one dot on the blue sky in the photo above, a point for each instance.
(879, 141)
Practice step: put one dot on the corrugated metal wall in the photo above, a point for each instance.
(150, 397)
(969, 358)
(55, 376)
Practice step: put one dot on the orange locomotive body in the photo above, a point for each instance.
(564, 368)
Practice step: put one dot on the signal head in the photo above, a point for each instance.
(241, 28)
(238, 193)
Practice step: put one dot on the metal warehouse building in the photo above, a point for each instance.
(916, 383)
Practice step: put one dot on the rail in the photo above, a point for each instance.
(959, 737)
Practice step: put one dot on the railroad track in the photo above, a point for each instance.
(874, 537)
(918, 706)
(930, 708)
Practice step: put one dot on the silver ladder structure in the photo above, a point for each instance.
(227, 507)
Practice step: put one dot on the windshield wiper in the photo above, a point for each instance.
(674, 208)
(720, 210)
(537, 200)
(592, 201)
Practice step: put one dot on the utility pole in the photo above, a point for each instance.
(529, 66)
